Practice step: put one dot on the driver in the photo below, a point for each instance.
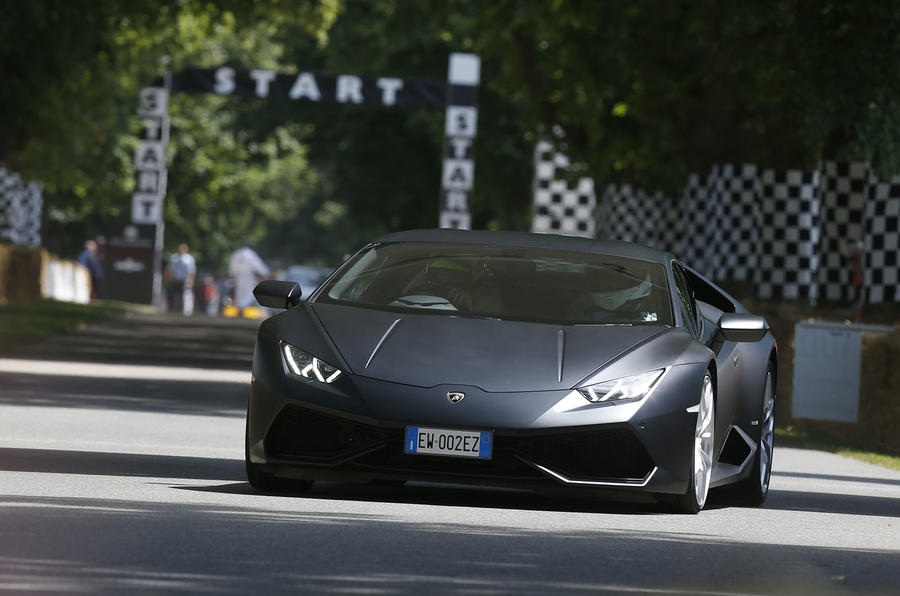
(613, 300)
(455, 280)
(615, 297)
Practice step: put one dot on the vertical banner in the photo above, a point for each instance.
(150, 157)
(150, 176)
(460, 127)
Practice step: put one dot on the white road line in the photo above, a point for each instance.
(122, 371)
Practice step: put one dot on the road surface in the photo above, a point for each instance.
(121, 470)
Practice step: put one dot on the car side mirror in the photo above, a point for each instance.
(742, 327)
(277, 294)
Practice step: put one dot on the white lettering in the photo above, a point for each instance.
(224, 80)
(389, 88)
(262, 78)
(349, 88)
(305, 86)
(129, 265)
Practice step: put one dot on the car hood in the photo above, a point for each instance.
(427, 350)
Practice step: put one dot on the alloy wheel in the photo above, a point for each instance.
(704, 435)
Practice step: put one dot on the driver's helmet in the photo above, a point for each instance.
(448, 273)
(623, 290)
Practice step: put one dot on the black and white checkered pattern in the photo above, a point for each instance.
(560, 207)
(20, 210)
(841, 223)
(697, 214)
(734, 194)
(882, 269)
(631, 215)
(671, 231)
(789, 235)
(790, 231)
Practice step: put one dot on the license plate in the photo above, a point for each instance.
(442, 441)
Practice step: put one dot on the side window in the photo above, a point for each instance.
(686, 298)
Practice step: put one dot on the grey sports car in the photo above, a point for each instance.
(512, 359)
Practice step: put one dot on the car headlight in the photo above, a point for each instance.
(308, 366)
(624, 389)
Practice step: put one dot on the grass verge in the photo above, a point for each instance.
(22, 323)
(809, 438)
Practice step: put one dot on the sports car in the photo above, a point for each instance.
(523, 360)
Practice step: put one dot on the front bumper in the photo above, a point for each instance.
(543, 440)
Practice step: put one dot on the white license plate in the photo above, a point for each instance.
(442, 441)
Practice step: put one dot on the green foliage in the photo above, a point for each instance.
(644, 91)
(649, 91)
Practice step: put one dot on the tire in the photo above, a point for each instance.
(754, 489)
(269, 483)
(703, 445)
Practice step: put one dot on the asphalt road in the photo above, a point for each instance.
(121, 470)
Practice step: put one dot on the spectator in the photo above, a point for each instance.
(179, 274)
(245, 267)
(88, 258)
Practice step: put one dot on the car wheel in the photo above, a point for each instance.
(754, 489)
(265, 482)
(702, 453)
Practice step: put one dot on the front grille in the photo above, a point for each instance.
(302, 433)
(602, 454)
(503, 465)
(598, 454)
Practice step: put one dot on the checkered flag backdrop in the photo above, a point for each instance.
(20, 210)
(789, 231)
(736, 221)
(882, 269)
(789, 236)
(560, 207)
(841, 224)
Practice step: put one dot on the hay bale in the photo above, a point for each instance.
(4, 271)
(23, 279)
(879, 393)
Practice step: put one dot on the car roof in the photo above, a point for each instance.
(530, 240)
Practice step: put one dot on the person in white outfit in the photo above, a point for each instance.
(245, 267)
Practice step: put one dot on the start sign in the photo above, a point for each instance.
(458, 94)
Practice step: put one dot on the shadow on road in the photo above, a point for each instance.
(54, 461)
(216, 548)
(138, 395)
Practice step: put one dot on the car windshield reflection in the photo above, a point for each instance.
(507, 283)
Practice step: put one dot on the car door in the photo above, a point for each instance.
(703, 318)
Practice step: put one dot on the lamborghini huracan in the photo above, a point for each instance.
(522, 360)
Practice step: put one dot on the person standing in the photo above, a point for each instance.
(89, 259)
(245, 267)
(180, 272)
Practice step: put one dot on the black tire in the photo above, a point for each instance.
(269, 483)
(753, 490)
(689, 501)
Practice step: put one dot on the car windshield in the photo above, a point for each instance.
(504, 282)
